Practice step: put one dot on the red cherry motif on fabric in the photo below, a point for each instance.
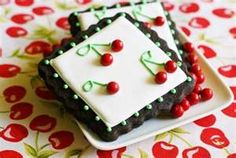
(112, 87)
(163, 150)
(233, 89)
(14, 93)
(63, 23)
(188, 47)
(14, 132)
(207, 51)
(44, 93)
(159, 21)
(230, 110)
(4, 2)
(83, 1)
(22, 18)
(223, 12)
(21, 111)
(38, 47)
(199, 23)
(161, 77)
(117, 45)
(206, 121)
(206, 94)
(106, 59)
(16, 31)
(24, 3)
(232, 155)
(61, 139)
(214, 137)
(43, 123)
(177, 111)
(42, 10)
(170, 66)
(232, 31)
(228, 71)
(168, 6)
(109, 153)
(186, 30)
(10, 154)
(189, 7)
(9, 70)
(196, 152)
(193, 98)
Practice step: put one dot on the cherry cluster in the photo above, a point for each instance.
(116, 46)
(198, 94)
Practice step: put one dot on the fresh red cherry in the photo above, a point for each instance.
(117, 45)
(200, 78)
(160, 77)
(185, 104)
(159, 21)
(177, 111)
(206, 94)
(192, 58)
(106, 59)
(170, 66)
(197, 89)
(112, 87)
(196, 68)
(193, 98)
(188, 47)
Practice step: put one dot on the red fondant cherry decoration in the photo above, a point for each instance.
(117, 45)
(112, 87)
(160, 77)
(197, 89)
(200, 78)
(193, 98)
(159, 21)
(185, 104)
(195, 68)
(188, 47)
(147, 24)
(170, 66)
(106, 59)
(177, 111)
(206, 94)
(192, 58)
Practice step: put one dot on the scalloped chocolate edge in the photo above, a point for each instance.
(88, 117)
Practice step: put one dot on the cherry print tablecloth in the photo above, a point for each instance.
(33, 124)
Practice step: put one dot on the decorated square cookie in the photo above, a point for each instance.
(151, 13)
(115, 75)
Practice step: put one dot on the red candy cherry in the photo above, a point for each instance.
(197, 89)
(206, 94)
(170, 66)
(193, 98)
(160, 77)
(195, 68)
(177, 111)
(192, 58)
(200, 78)
(185, 104)
(147, 24)
(106, 59)
(159, 21)
(188, 47)
(117, 45)
(112, 87)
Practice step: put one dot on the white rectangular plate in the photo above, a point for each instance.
(222, 97)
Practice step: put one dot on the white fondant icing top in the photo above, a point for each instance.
(150, 9)
(137, 86)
